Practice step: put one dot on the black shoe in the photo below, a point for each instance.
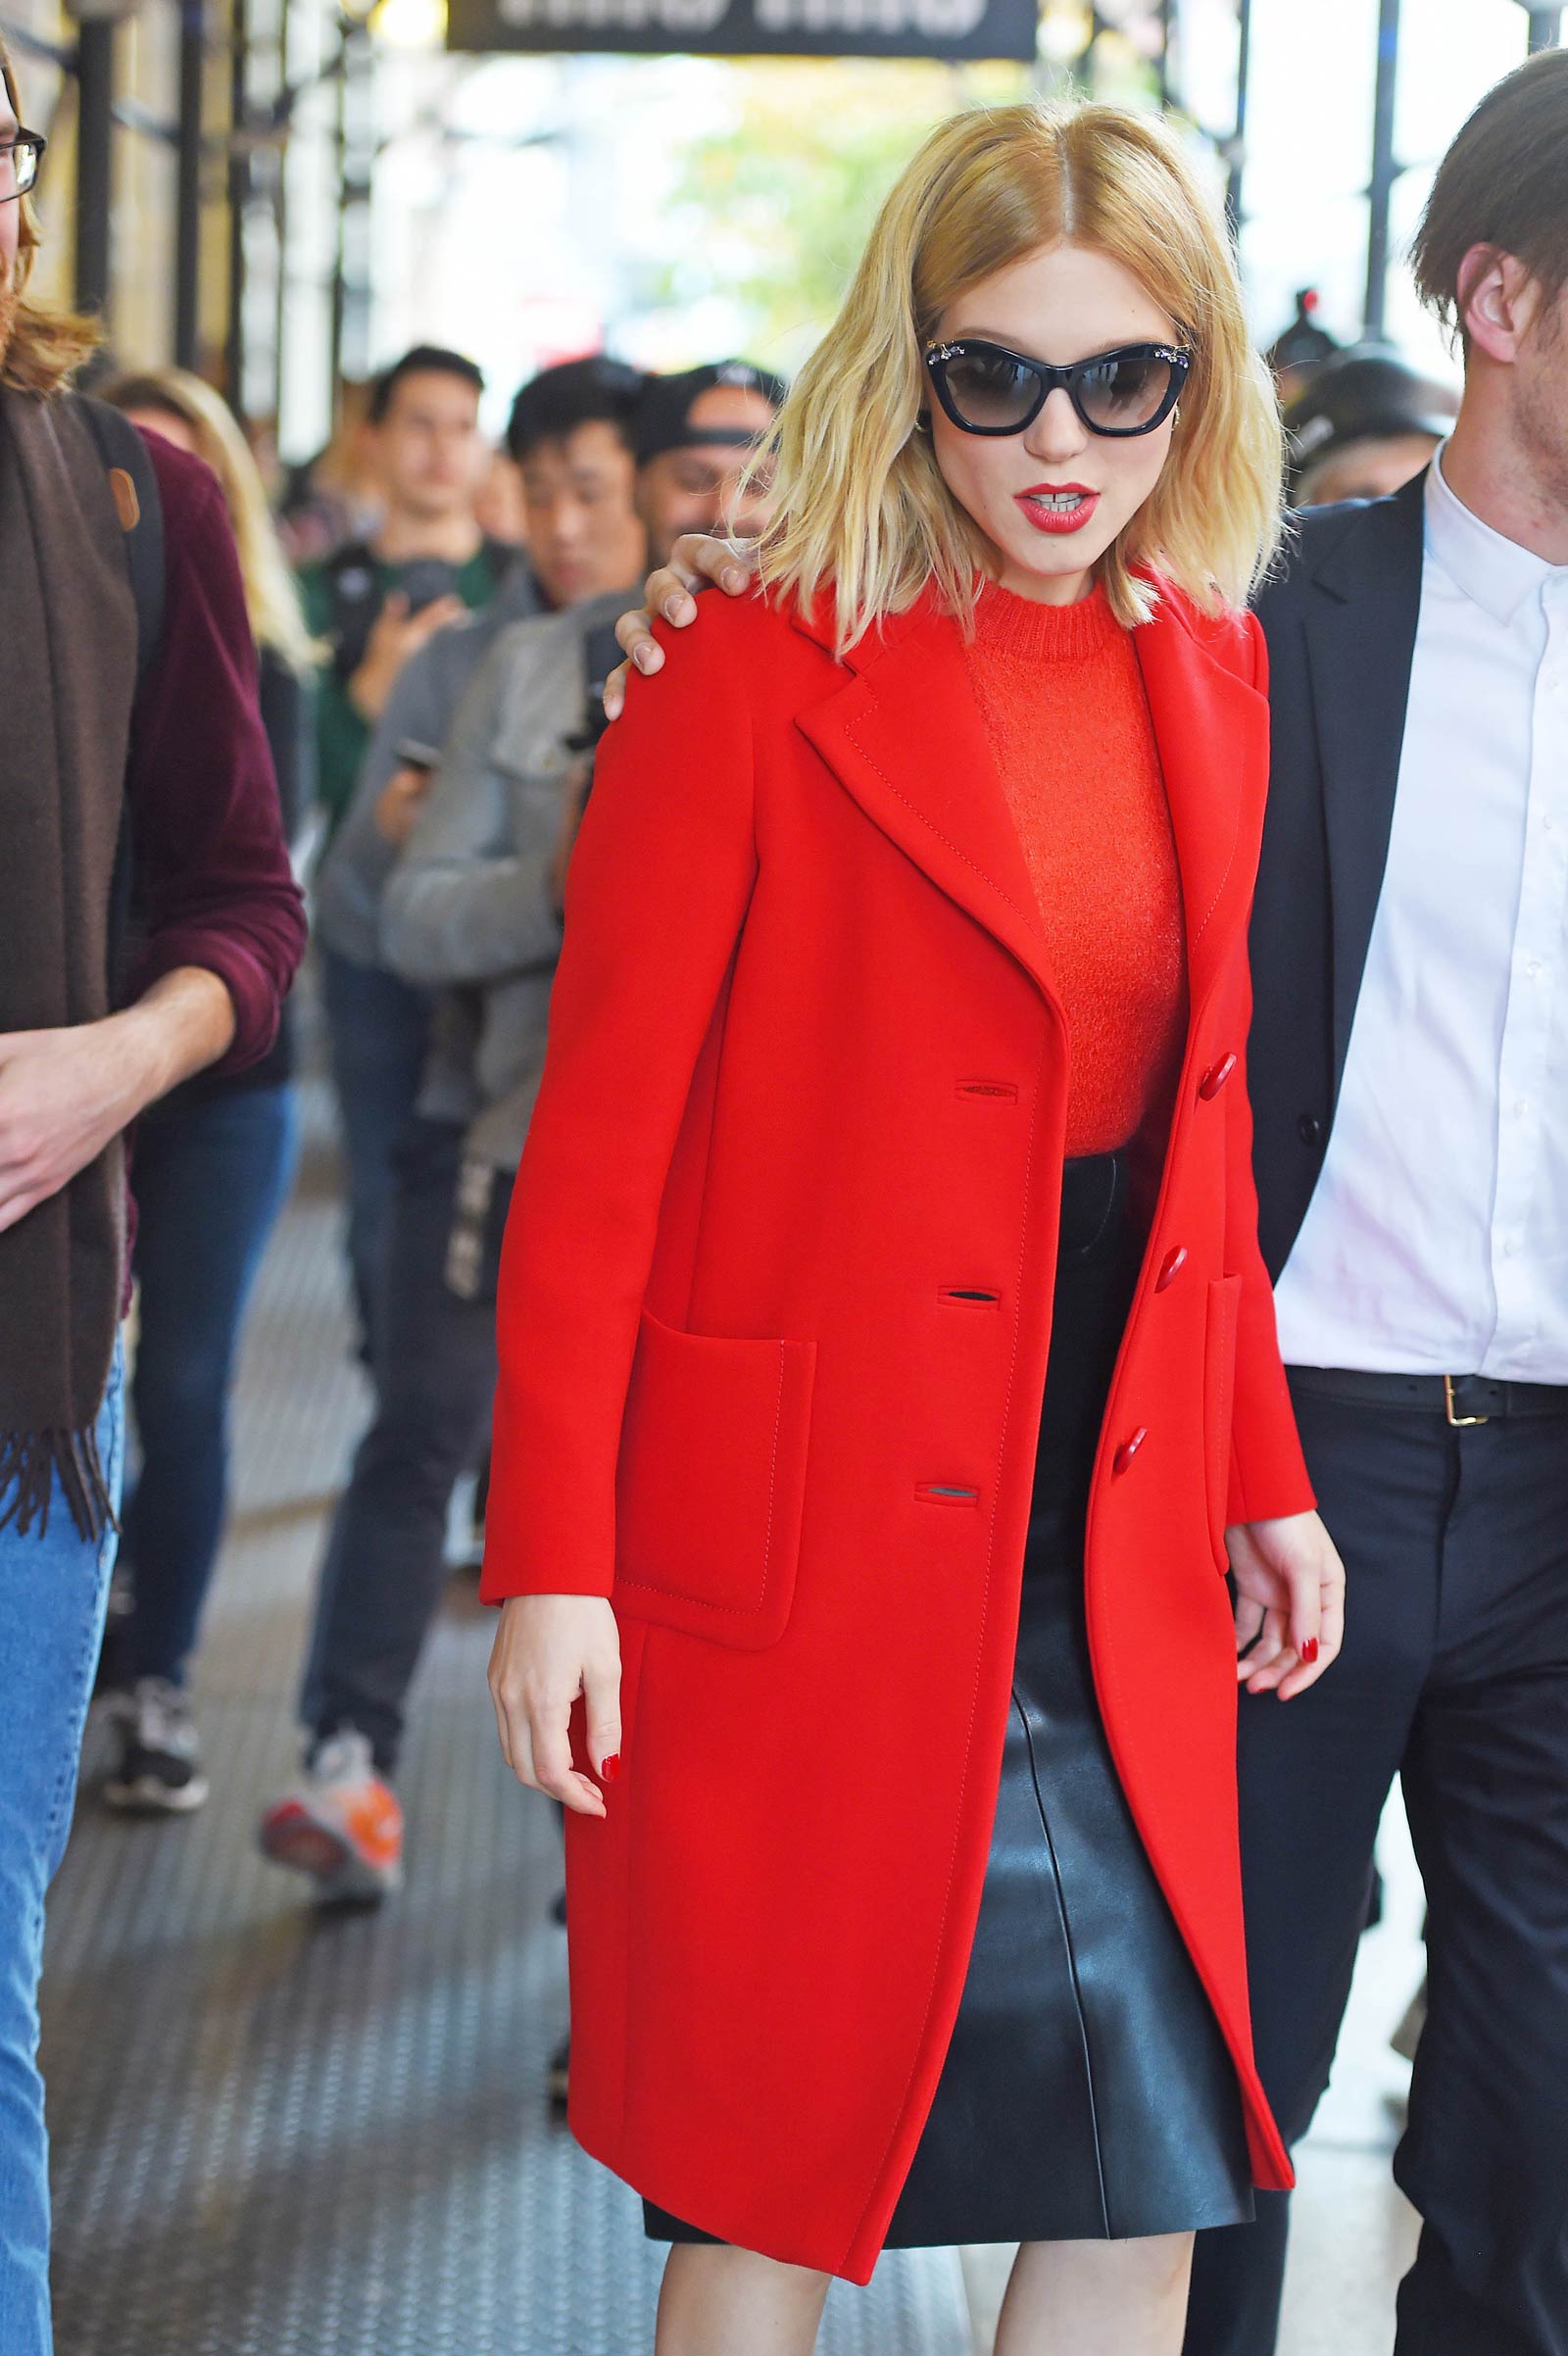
(156, 1769)
(113, 1672)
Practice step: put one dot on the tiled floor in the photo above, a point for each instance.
(281, 2137)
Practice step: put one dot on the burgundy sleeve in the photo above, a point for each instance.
(214, 884)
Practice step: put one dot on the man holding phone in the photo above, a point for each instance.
(473, 910)
(568, 434)
(374, 604)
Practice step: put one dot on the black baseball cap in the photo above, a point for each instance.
(664, 415)
(1367, 393)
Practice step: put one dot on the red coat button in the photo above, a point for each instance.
(1170, 1267)
(1215, 1079)
(1129, 1449)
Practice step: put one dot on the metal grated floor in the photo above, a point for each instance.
(279, 2135)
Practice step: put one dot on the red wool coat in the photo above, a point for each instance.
(806, 1083)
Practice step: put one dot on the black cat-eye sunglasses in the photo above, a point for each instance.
(985, 388)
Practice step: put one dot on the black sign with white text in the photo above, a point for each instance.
(941, 28)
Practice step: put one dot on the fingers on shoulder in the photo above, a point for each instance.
(699, 557)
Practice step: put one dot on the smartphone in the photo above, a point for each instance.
(426, 579)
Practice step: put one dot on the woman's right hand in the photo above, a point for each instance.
(549, 1649)
(671, 592)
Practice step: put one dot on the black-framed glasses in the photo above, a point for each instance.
(19, 160)
(985, 388)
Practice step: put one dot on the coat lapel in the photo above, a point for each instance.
(1211, 728)
(905, 735)
(1360, 639)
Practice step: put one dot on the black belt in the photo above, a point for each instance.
(1459, 1398)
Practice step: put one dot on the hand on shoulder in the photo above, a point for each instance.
(695, 564)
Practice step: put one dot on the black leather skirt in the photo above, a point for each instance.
(1086, 2093)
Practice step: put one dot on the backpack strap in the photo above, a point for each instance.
(127, 459)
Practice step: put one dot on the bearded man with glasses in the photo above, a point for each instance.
(131, 757)
(20, 156)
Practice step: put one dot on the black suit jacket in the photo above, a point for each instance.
(1339, 620)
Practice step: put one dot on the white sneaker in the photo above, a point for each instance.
(340, 1825)
(157, 1765)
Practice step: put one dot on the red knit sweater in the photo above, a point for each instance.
(1063, 703)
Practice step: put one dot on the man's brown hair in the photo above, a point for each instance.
(1502, 183)
(45, 347)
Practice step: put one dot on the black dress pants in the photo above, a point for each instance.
(1454, 1677)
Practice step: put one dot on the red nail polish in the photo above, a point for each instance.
(612, 1766)
(1309, 1651)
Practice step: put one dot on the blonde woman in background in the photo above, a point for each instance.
(188, 413)
(888, 1366)
(214, 1162)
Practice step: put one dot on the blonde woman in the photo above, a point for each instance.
(214, 1162)
(888, 1365)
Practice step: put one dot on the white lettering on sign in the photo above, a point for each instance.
(938, 21)
(630, 16)
(932, 20)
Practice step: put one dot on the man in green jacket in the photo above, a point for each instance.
(374, 602)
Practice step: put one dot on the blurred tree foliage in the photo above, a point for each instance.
(773, 212)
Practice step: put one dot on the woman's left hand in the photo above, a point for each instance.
(1290, 1602)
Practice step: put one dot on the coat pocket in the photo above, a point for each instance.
(711, 1484)
(1219, 1382)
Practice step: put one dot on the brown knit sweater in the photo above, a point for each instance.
(1068, 720)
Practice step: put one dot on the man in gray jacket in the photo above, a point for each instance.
(472, 908)
(571, 433)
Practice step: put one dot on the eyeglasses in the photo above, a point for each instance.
(19, 160)
(985, 388)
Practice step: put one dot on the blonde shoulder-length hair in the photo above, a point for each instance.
(271, 599)
(861, 508)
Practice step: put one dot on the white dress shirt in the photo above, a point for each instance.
(1436, 1239)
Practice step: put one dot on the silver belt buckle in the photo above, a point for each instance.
(1457, 1422)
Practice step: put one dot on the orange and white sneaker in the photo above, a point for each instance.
(341, 1825)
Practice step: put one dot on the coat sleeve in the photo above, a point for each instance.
(1268, 1472)
(213, 883)
(656, 900)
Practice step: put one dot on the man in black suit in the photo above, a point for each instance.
(1408, 1069)
(1409, 1080)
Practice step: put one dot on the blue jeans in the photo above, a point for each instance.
(52, 1590)
(379, 1030)
(211, 1169)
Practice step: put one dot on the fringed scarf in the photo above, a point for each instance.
(68, 669)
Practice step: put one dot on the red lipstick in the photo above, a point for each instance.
(1057, 507)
